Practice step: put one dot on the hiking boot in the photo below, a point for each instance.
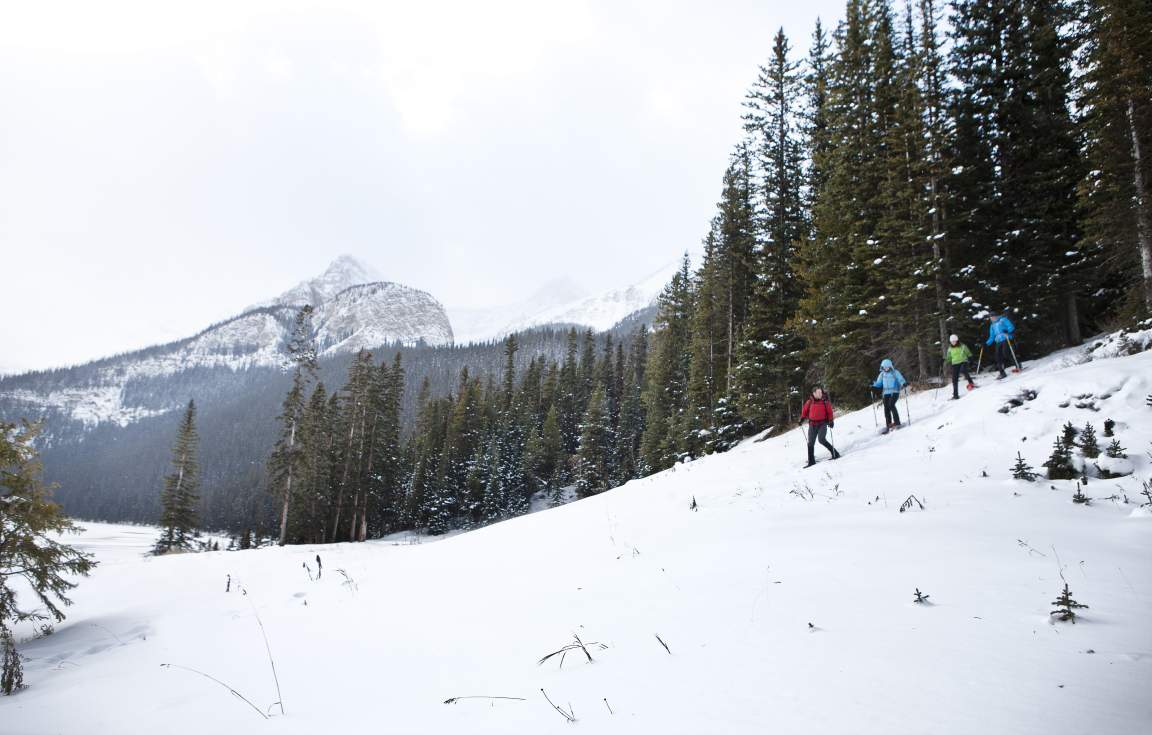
(954, 398)
(971, 386)
(810, 463)
(1001, 376)
(835, 454)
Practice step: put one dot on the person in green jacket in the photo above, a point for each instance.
(957, 356)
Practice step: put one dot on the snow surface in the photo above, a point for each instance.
(785, 599)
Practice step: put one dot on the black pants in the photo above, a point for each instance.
(891, 415)
(1003, 356)
(956, 370)
(818, 430)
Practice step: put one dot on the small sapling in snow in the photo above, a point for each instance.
(666, 648)
(11, 670)
(1088, 444)
(694, 506)
(1109, 424)
(921, 597)
(1022, 470)
(1066, 607)
(1069, 435)
(1115, 451)
(1059, 464)
(1080, 497)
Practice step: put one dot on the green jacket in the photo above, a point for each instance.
(958, 354)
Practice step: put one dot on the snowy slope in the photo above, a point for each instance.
(599, 311)
(785, 600)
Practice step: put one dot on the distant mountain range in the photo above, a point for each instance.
(354, 310)
(561, 303)
(350, 314)
(109, 423)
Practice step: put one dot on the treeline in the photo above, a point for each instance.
(343, 470)
(886, 193)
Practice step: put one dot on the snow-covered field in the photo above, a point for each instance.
(785, 600)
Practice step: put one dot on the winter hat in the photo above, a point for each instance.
(886, 363)
(953, 339)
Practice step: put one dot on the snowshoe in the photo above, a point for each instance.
(954, 398)
(835, 454)
(810, 463)
(1002, 376)
(885, 430)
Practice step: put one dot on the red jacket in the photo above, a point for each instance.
(817, 410)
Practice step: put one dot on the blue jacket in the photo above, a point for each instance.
(1000, 330)
(890, 380)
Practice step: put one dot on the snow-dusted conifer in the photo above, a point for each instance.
(181, 488)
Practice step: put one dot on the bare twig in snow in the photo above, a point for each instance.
(574, 645)
(213, 678)
(907, 505)
(271, 661)
(454, 700)
(608, 706)
(569, 714)
(666, 648)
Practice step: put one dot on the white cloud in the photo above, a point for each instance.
(166, 163)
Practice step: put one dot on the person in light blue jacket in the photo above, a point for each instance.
(1000, 331)
(890, 382)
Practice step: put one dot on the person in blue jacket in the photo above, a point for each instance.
(890, 381)
(1000, 331)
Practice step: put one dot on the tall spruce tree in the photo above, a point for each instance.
(1017, 165)
(769, 368)
(1115, 98)
(181, 488)
(287, 462)
(593, 470)
(843, 313)
(666, 377)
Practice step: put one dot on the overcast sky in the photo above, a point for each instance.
(164, 164)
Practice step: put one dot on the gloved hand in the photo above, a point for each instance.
(802, 421)
(831, 424)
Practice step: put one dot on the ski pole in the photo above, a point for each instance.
(980, 359)
(872, 401)
(907, 403)
(1013, 351)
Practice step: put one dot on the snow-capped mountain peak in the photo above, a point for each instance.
(562, 302)
(341, 274)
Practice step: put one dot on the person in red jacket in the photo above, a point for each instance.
(817, 411)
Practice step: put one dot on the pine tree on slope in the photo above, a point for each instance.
(179, 498)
